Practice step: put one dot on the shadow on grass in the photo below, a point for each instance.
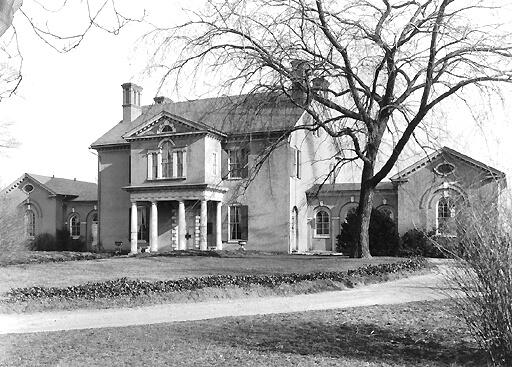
(366, 342)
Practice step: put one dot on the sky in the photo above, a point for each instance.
(66, 101)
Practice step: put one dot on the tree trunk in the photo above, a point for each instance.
(364, 211)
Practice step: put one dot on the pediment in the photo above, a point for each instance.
(163, 125)
(444, 163)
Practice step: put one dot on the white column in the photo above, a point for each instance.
(218, 224)
(159, 164)
(150, 166)
(182, 226)
(203, 241)
(153, 228)
(133, 231)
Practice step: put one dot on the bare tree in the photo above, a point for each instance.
(62, 26)
(389, 65)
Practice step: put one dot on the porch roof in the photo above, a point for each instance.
(171, 192)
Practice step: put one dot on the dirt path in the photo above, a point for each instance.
(416, 288)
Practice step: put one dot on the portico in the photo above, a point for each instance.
(165, 217)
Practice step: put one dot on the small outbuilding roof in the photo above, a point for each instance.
(76, 190)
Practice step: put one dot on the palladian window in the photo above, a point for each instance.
(168, 161)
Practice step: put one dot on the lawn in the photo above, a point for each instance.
(60, 274)
(414, 334)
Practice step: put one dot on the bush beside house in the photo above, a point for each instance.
(383, 234)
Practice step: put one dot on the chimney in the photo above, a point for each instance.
(320, 86)
(131, 101)
(299, 77)
(162, 100)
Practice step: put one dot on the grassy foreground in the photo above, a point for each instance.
(69, 273)
(414, 334)
(131, 293)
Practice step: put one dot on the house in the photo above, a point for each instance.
(186, 175)
(50, 204)
(424, 195)
(189, 175)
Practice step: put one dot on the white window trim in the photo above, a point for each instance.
(70, 225)
(315, 233)
(230, 174)
(234, 240)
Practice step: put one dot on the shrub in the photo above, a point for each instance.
(135, 287)
(44, 242)
(61, 242)
(484, 276)
(415, 242)
(383, 234)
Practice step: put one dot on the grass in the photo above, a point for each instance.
(414, 334)
(75, 299)
(36, 257)
(152, 268)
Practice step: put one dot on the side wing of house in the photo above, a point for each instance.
(430, 191)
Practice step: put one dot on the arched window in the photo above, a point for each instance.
(167, 161)
(322, 223)
(74, 225)
(30, 223)
(445, 216)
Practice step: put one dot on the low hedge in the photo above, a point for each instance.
(134, 288)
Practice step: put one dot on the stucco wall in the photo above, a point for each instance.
(114, 202)
(417, 198)
(267, 198)
(317, 153)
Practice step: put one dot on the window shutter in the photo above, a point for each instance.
(244, 221)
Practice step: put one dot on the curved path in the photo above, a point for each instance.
(415, 288)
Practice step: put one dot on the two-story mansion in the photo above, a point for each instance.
(183, 175)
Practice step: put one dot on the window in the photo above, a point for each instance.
(30, 223)
(167, 129)
(167, 159)
(74, 226)
(214, 164)
(445, 216)
(238, 160)
(154, 165)
(297, 163)
(142, 222)
(173, 161)
(322, 223)
(238, 222)
(179, 163)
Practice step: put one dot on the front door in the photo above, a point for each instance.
(192, 233)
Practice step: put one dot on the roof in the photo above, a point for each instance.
(493, 172)
(79, 190)
(230, 115)
(347, 186)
